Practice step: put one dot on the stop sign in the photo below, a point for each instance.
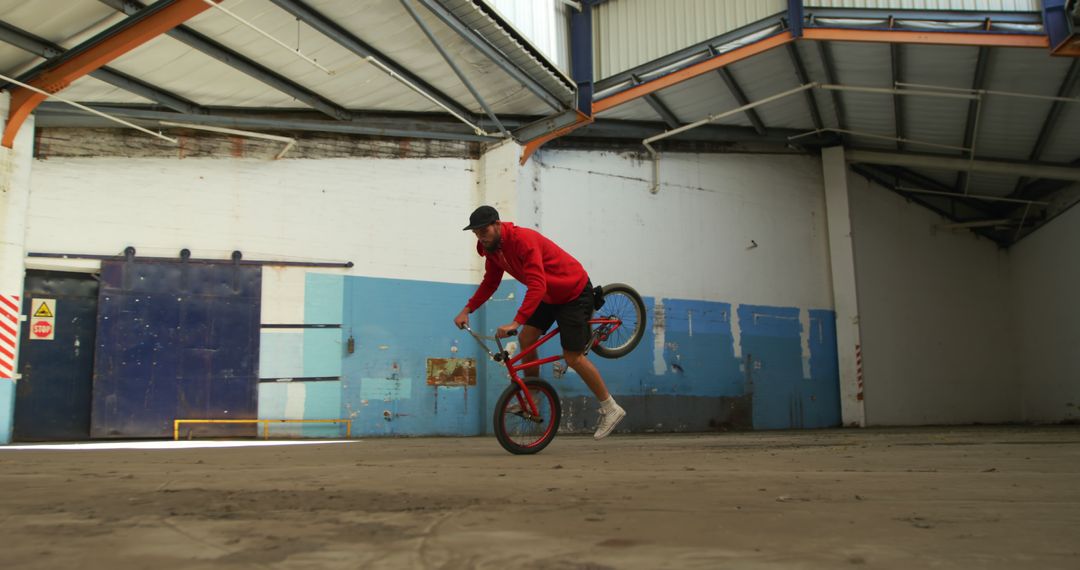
(41, 329)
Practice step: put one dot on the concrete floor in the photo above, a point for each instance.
(900, 498)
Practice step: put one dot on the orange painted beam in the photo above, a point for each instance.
(24, 101)
(691, 72)
(937, 38)
(1069, 47)
(535, 144)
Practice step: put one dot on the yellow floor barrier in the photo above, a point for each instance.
(266, 424)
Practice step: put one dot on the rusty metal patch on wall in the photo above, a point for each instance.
(451, 372)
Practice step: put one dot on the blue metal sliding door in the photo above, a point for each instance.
(175, 340)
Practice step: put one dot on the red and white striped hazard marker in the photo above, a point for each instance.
(9, 334)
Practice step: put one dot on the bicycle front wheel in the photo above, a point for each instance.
(620, 302)
(520, 432)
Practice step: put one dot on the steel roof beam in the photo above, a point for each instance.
(344, 38)
(977, 83)
(497, 57)
(1044, 187)
(882, 179)
(1031, 169)
(817, 12)
(383, 127)
(897, 60)
(241, 63)
(1072, 77)
(800, 73)
(930, 184)
(636, 131)
(825, 51)
(737, 92)
(658, 106)
(389, 124)
(46, 49)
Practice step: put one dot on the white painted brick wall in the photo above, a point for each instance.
(934, 315)
(1046, 319)
(392, 218)
(692, 239)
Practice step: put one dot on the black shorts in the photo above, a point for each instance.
(573, 319)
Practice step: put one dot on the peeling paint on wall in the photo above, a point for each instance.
(659, 346)
(68, 142)
(736, 331)
(804, 337)
(451, 372)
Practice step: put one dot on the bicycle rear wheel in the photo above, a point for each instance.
(519, 432)
(620, 302)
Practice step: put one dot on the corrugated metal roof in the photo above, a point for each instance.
(1063, 145)
(355, 84)
(472, 14)
(1009, 126)
(866, 65)
(766, 75)
(703, 96)
(90, 90)
(942, 121)
(815, 71)
(637, 110)
(627, 33)
(991, 184)
(543, 23)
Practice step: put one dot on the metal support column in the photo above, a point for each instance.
(15, 163)
(845, 292)
(581, 56)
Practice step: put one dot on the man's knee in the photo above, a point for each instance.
(573, 357)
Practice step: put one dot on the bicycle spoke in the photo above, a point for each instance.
(621, 307)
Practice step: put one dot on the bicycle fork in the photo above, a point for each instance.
(527, 405)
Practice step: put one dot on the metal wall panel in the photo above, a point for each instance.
(628, 33)
(52, 400)
(544, 23)
(175, 340)
(973, 5)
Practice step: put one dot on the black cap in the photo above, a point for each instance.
(482, 216)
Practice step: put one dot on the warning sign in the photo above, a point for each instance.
(46, 308)
(43, 319)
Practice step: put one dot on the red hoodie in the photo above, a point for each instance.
(551, 274)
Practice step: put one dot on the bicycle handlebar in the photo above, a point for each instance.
(497, 357)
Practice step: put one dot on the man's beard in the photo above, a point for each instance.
(495, 245)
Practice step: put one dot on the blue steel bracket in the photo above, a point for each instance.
(1057, 22)
(795, 17)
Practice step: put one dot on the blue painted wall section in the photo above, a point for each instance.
(302, 400)
(7, 409)
(306, 353)
(771, 336)
(693, 380)
(694, 369)
(398, 325)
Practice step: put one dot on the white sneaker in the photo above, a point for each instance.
(608, 420)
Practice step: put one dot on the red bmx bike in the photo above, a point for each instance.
(527, 413)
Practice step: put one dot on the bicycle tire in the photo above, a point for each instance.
(513, 430)
(623, 302)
